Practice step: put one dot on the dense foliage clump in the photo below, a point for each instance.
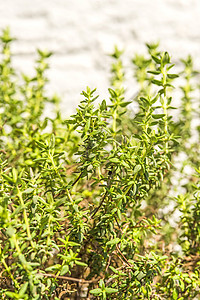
(105, 204)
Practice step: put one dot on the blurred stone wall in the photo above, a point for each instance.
(82, 32)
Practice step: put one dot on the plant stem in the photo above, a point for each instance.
(25, 217)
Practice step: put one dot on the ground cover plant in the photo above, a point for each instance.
(104, 204)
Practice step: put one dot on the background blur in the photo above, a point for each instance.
(81, 34)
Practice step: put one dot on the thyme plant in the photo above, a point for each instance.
(89, 204)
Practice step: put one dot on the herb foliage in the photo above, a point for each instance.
(88, 204)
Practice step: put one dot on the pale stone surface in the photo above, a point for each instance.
(82, 32)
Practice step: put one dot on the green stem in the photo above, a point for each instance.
(8, 269)
(49, 232)
(69, 196)
(164, 106)
(54, 167)
(25, 217)
(20, 253)
(114, 122)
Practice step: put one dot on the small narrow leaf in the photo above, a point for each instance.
(172, 76)
(28, 191)
(113, 242)
(154, 72)
(137, 169)
(80, 263)
(110, 290)
(156, 59)
(124, 104)
(9, 179)
(23, 289)
(157, 82)
(103, 105)
(158, 116)
(64, 270)
(96, 291)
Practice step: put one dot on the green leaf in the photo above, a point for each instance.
(131, 182)
(40, 159)
(158, 116)
(114, 160)
(161, 91)
(28, 191)
(9, 179)
(141, 275)
(96, 292)
(182, 285)
(73, 244)
(23, 289)
(166, 58)
(44, 54)
(11, 231)
(41, 145)
(53, 268)
(137, 169)
(156, 59)
(87, 125)
(154, 100)
(119, 214)
(124, 104)
(44, 124)
(175, 294)
(114, 270)
(110, 290)
(12, 295)
(15, 174)
(154, 72)
(157, 82)
(172, 76)
(52, 142)
(112, 93)
(64, 270)
(103, 105)
(124, 164)
(102, 284)
(113, 242)
(59, 154)
(80, 263)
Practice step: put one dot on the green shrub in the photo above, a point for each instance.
(89, 205)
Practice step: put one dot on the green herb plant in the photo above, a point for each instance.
(89, 204)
